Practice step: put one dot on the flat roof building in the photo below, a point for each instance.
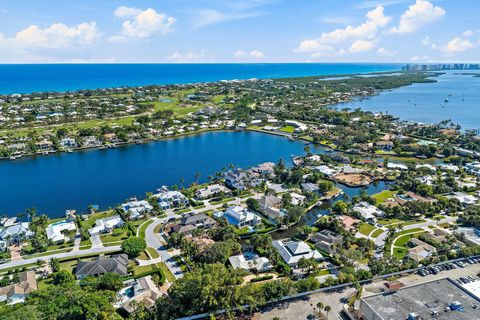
(439, 299)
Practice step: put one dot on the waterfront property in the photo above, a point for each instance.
(367, 211)
(16, 233)
(135, 209)
(106, 225)
(241, 217)
(168, 199)
(56, 231)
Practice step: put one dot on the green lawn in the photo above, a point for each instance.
(85, 244)
(115, 236)
(376, 233)
(143, 256)
(168, 274)
(143, 227)
(153, 253)
(365, 228)
(90, 222)
(68, 265)
(288, 129)
(382, 196)
(400, 253)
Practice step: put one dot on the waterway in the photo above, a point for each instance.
(455, 96)
(63, 181)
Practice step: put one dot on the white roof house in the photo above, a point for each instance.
(396, 166)
(240, 217)
(106, 224)
(368, 211)
(210, 191)
(463, 197)
(297, 199)
(260, 264)
(136, 208)
(292, 251)
(54, 230)
(169, 199)
(326, 170)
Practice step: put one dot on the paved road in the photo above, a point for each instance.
(380, 240)
(156, 241)
(92, 250)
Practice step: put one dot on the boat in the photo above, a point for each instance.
(446, 100)
(12, 158)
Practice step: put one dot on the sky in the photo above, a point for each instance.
(194, 31)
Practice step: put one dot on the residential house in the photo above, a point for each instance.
(271, 206)
(265, 169)
(136, 209)
(385, 145)
(117, 264)
(464, 198)
(327, 240)
(210, 191)
(55, 231)
(17, 292)
(367, 211)
(168, 199)
(292, 251)
(240, 180)
(297, 199)
(420, 250)
(326, 170)
(106, 225)
(141, 291)
(348, 222)
(192, 222)
(16, 233)
(259, 264)
(241, 217)
(310, 187)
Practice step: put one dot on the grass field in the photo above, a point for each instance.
(115, 236)
(153, 253)
(365, 228)
(382, 196)
(90, 222)
(376, 233)
(143, 228)
(288, 129)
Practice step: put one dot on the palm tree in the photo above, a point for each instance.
(182, 181)
(320, 306)
(327, 309)
(197, 176)
(306, 149)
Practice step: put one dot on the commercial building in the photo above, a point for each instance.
(439, 299)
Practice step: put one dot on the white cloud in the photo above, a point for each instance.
(142, 24)
(362, 46)
(191, 56)
(210, 16)
(417, 15)
(468, 33)
(255, 54)
(57, 35)
(376, 19)
(458, 45)
(385, 53)
(126, 12)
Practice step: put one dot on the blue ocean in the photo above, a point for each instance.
(28, 78)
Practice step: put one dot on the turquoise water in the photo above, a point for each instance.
(59, 222)
(63, 181)
(425, 102)
(64, 77)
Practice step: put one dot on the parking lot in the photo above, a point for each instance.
(301, 309)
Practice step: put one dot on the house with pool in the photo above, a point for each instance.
(56, 231)
(239, 217)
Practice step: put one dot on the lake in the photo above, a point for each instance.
(28, 78)
(426, 102)
(63, 181)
